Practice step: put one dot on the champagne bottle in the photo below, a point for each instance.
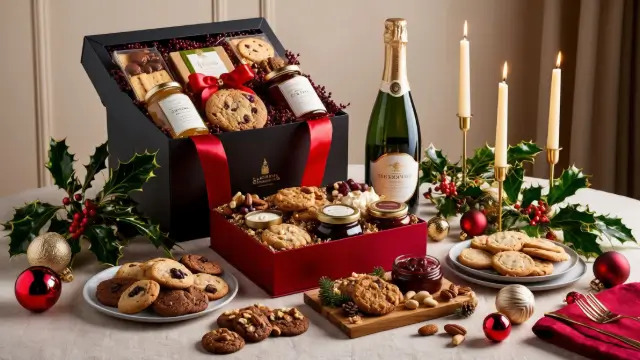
(393, 138)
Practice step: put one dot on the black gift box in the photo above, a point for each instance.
(260, 161)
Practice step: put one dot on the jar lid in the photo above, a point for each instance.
(262, 219)
(295, 69)
(387, 209)
(338, 214)
(168, 85)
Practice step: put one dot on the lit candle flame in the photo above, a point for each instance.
(559, 59)
(504, 72)
(465, 29)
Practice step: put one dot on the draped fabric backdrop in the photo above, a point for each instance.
(600, 81)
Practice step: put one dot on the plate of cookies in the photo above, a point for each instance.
(161, 290)
(511, 256)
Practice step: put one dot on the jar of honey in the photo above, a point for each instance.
(288, 88)
(170, 108)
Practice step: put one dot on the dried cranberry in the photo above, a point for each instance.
(177, 273)
(243, 211)
(136, 290)
(210, 289)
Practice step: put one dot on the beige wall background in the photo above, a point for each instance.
(47, 93)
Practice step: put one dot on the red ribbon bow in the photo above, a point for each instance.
(208, 85)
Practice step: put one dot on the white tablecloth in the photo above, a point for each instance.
(73, 330)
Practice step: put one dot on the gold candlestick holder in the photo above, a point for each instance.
(553, 156)
(465, 125)
(500, 174)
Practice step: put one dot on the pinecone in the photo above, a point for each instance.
(350, 309)
(467, 309)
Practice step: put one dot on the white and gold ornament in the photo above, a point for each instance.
(53, 251)
(516, 302)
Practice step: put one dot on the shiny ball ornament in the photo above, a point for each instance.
(572, 296)
(38, 288)
(497, 327)
(611, 268)
(438, 228)
(473, 222)
(516, 302)
(51, 250)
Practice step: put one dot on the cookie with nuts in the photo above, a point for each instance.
(200, 264)
(234, 110)
(375, 296)
(285, 236)
(289, 321)
(226, 319)
(252, 326)
(222, 341)
(295, 198)
(213, 286)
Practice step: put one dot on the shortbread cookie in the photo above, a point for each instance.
(480, 242)
(542, 244)
(295, 199)
(171, 274)
(476, 259)
(541, 268)
(285, 236)
(375, 296)
(212, 285)
(546, 254)
(234, 110)
(290, 322)
(222, 341)
(252, 326)
(146, 266)
(513, 263)
(130, 270)
(200, 264)
(254, 49)
(109, 291)
(139, 296)
(506, 241)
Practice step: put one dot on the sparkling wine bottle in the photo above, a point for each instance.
(393, 138)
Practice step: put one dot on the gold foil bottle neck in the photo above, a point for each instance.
(395, 30)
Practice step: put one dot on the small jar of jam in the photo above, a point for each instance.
(287, 87)
(338, 221)
(170, 108)
(417, 273)
(387, 214)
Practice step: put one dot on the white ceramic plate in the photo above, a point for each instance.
(559, 268)
(564, 280)
(89, 294)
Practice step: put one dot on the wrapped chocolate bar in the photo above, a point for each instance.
(251, 48)
(144, 69)
(211, 61)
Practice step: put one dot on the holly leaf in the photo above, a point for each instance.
(438, 160)
(525, 151)
(481, 162)
(447, 207)
(513, 183)
(613, 228)
(531, 194)
(26, 225)
(572, 216)
(533, 231)
(471, 191)
(60, 166)
(509, 218)
(571, 180)
(584, 242)
(104, 244)
(97, 163)
(131, 175)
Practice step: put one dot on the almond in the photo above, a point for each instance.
(457, 340)
(428, 329)
(411, 304)
(455, 329)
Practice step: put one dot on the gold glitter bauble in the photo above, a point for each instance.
(438, 228)
(51, 250)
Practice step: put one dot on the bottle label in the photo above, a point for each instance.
(181, 113)
(300, 96)
(395, 88)
(395, 175)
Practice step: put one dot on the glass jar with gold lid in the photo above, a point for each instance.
(170, 108)
(288, 88)
(338, 221)
(387, 214)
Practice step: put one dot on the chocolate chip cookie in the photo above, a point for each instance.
(254, 49)
(109, 291)
(138, 296)
(295, 198)
(375, 296)
(200, 264)
(131, 270)
(285, 236)
(290, 322)
(234, 110)
(213, 286)
(146, 266)
(171, 274)
(222, 341)
(252, 326)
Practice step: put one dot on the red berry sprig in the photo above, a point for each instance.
(82, 218)
(448, 188)
(537, 213)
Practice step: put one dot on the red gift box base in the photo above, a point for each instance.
(287, 272)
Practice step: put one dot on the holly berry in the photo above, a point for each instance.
(92, 213)
(77, 216)
(78, 197)
(572, 297)
(85, 211)
(516, 206)
(84, 222)
(88, 203)
(66, 201)
(72, 229)
(550, 235)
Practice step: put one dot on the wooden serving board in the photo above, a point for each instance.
(401, 316)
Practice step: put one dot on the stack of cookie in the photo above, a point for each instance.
(513, 253)
(372, 295)
(252, 324)
(168, 287)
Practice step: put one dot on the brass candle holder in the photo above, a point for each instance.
(465, 125)
(553, 156)
(500, 174)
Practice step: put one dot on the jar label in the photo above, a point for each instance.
(208, 63)
(300, 96)
(338, 210)
(181, 113)
(395, 175)
(388, 205)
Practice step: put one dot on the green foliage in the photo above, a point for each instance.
(328, 296)
(571, 180)
(379, 272)
(97, 163)
(130, 176)
(60, 166)
(613, 228)
(26, 225)
(525, 151)
(513, 183)
(104, 244)
(531, 194)
(480, 163)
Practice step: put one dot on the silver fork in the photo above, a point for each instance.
(596, 311)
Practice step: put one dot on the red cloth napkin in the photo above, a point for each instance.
(623, 299)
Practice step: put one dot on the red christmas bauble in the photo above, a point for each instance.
(572, 297)
(611, 268)
(38, 288)
(496, 326)
(473, 222)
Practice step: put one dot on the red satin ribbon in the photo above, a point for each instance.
(320, 133)
(207, 85)
(215, 169)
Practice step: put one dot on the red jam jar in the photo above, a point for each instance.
(338, 221)
(288, 88)
(387, 214)
(417, 273)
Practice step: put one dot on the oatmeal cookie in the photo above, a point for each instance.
(215, 287)
(513, 263)
(506, 241)
(285, 236)
(200, 264)
(109, 291)
(234, 110)
(375, 296)
(476, 259)
(295, 198)
(222, 341)
(290, 322)
(138, 296)
(546, 254)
